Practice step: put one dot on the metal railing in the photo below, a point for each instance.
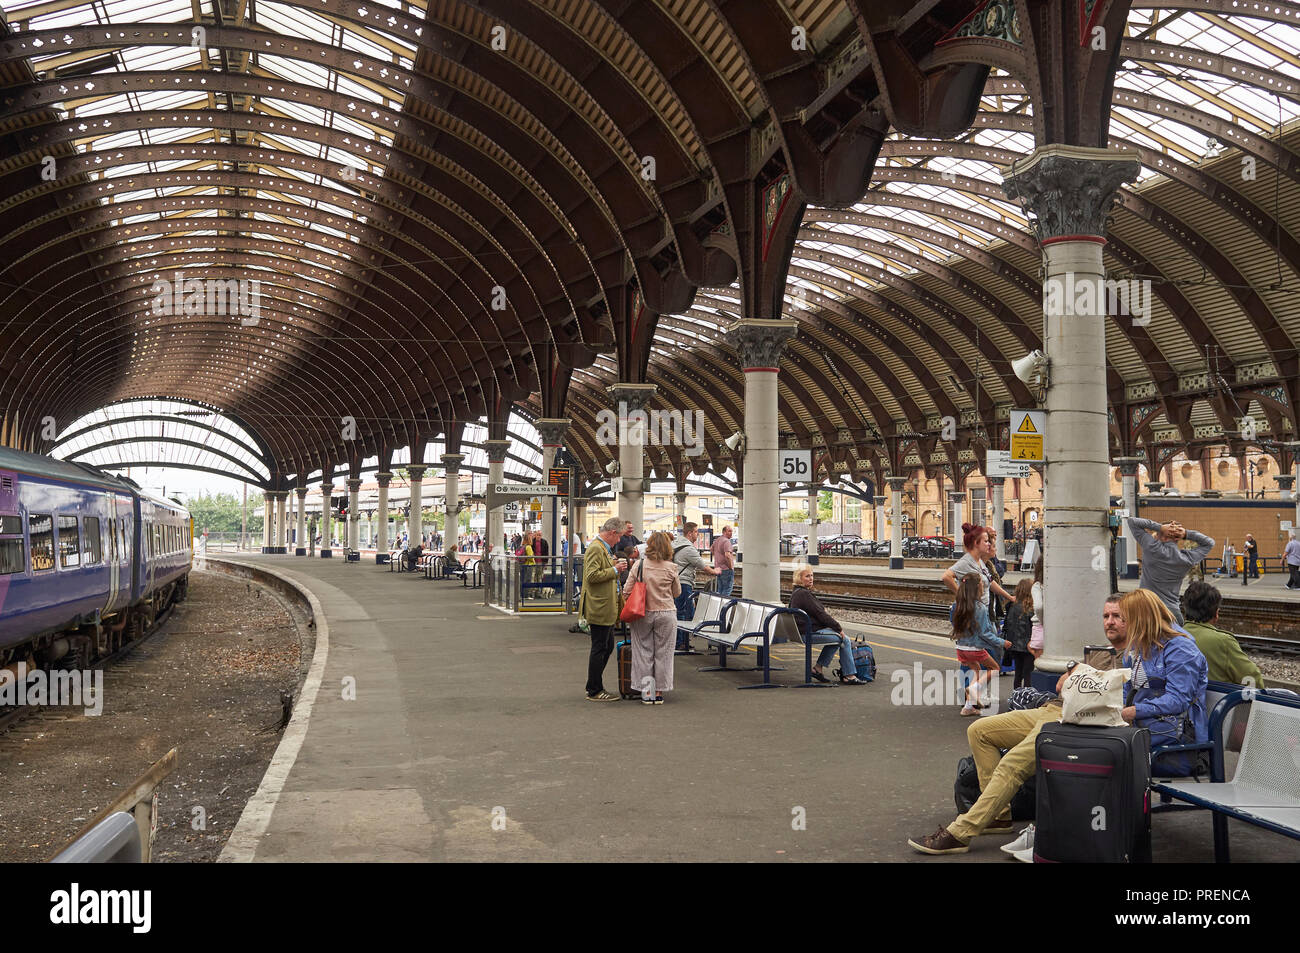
(123, 832)
(531, 583)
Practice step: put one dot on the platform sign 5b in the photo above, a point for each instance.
(796, 466)
(1028, 432)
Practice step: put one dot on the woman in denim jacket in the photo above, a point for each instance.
(1167, 690)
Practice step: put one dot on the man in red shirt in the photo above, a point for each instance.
(724, 558)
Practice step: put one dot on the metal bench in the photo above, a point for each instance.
(1265, 788)
(750, 624)
(708, 608)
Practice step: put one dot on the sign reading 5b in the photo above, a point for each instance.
(796, 466)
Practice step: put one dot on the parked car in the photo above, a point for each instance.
(840, 545)
(793, 544)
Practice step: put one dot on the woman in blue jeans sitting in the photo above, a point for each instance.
(826, 631)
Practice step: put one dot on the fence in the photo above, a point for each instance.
(531, 583)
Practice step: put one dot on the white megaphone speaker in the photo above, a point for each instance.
(736, 442)
(1032, 368)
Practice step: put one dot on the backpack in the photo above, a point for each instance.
(865, 662)
(966, 791)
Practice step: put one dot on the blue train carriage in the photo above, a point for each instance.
(73, 582)
(166, 547)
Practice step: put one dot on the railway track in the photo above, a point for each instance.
(18, 714)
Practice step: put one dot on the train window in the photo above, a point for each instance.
(93, 551)
(42, 539)
(69, 542)
(13, 555)
(112, 541)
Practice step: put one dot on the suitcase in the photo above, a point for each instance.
(623, 655)
(1094, 797)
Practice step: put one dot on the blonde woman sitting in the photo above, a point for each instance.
(825, 630)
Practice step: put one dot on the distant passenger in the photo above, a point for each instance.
(628, 538)
(825, 630)
(1252, 557)
(688, 561)
(653, 635)
(599, 605)
(1018, 630)
(1036, 632)
(973, 631)
(1164, 563)
(724, 558)
(1291, 556)
(1227, 661)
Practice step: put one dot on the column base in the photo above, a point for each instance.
(300, 551)
(1131, 572)
(326, 553)
(267, 550)
(814, 559)
(1043, 681)
(280, 550)
(895, 562)
(381, 559)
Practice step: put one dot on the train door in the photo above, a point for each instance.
(115, 546)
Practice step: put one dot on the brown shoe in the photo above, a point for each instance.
(940, 842)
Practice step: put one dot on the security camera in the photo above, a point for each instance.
(1032, 368)
(736, 442)
(612, 468)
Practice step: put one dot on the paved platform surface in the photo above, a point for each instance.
(461, 710)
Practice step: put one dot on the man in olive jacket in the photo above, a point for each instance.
(599, 604)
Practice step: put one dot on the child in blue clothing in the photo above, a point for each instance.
(973, 631)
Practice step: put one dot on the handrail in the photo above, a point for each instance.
(137, 800)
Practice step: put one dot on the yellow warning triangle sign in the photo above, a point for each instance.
(1027, 425)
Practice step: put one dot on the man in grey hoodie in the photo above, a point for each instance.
(688, 562)
(1164, 564)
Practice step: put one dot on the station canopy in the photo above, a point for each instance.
(418, 216)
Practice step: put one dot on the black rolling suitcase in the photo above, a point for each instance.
(1094, 800)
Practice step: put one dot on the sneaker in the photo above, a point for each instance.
(969, 712)
(1025, 856)
(602, 697)
(1024, 841)
(647, 701)
(940, 842)
(659, 699)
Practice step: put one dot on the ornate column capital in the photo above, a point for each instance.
(496, 450)
(760, 341)
(354, 484)
(1154, 486)
(416, 472)
(327, 486)
(880, 500)
(451, 462)
(896, 484)
(301, 491)
(552, 430)
(1069, 189)
(383, 479)
(957, 496)
(995, 481)
(1128, 466)
(1285, 481)
(633, 396)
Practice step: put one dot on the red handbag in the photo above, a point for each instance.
(634, 607)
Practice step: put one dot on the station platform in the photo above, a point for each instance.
(463, 715)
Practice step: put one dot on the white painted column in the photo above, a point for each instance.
(277, 544)
(998, 486)
(286, 535)
(1128, 467)
(1070, 189)
(354, 513)
(896, 521)
(957, 513)
(496, 454)
(415, 521)
(326, 519)
(451, 493)
(552, 431)
(760, 342)
(383, 478)
(629, 403)
(268, 520)
(881, 535)
(813, 523)
(300, 548)
(740, 510)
